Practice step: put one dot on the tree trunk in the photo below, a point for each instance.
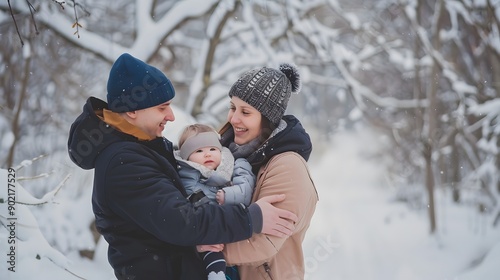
(455, 172)
(429, 182)
(17, 112)
(209, 60)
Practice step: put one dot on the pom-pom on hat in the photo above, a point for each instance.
(135, 85)
(268, 90)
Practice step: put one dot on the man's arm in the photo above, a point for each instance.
(139, 190)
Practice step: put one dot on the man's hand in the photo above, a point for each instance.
(276, 221)
(211, 248)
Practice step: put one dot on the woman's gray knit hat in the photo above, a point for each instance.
(268, 90)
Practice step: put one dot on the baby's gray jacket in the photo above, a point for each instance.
(235, 178)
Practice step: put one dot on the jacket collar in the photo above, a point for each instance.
(122, 125)
(288, 136)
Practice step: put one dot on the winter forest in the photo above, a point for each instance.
(400, 97)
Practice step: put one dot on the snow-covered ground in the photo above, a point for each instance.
(358, 231)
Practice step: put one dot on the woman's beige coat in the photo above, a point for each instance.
(269, 257)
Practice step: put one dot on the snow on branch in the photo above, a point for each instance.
(26, 163)
(150, 33)
(32, 11)
(33, 246)
(25, 198)
(461, 87)
(361, 91)
(265, 44)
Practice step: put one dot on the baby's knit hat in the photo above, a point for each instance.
(135, 85)
(268, 90)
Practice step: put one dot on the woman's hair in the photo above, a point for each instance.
(266, 127)
(192, 130)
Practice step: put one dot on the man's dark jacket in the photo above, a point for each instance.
(140, 205)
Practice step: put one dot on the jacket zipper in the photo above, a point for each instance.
(267, 268)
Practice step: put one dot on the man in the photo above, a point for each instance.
(140, 205)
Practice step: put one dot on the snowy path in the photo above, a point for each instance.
(357, 234)
(341, 243)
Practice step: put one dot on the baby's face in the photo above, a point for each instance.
(210, 157)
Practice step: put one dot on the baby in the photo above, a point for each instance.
(211, 175)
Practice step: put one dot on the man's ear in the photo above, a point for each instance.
(131, 114)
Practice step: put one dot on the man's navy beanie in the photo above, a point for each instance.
(135, 85)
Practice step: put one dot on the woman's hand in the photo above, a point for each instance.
(211, 248)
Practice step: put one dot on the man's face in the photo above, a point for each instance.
(152, 120)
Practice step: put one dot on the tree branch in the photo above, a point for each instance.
(32, 9)
(15, 23)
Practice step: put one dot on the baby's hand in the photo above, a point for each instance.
(211, 248)
(219, 196)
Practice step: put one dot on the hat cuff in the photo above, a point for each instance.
(273, 114)
(127, 102)
(273, 118)
(198, 141)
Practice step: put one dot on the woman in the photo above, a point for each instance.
(277, 147)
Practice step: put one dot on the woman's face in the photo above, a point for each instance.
(245, 119)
